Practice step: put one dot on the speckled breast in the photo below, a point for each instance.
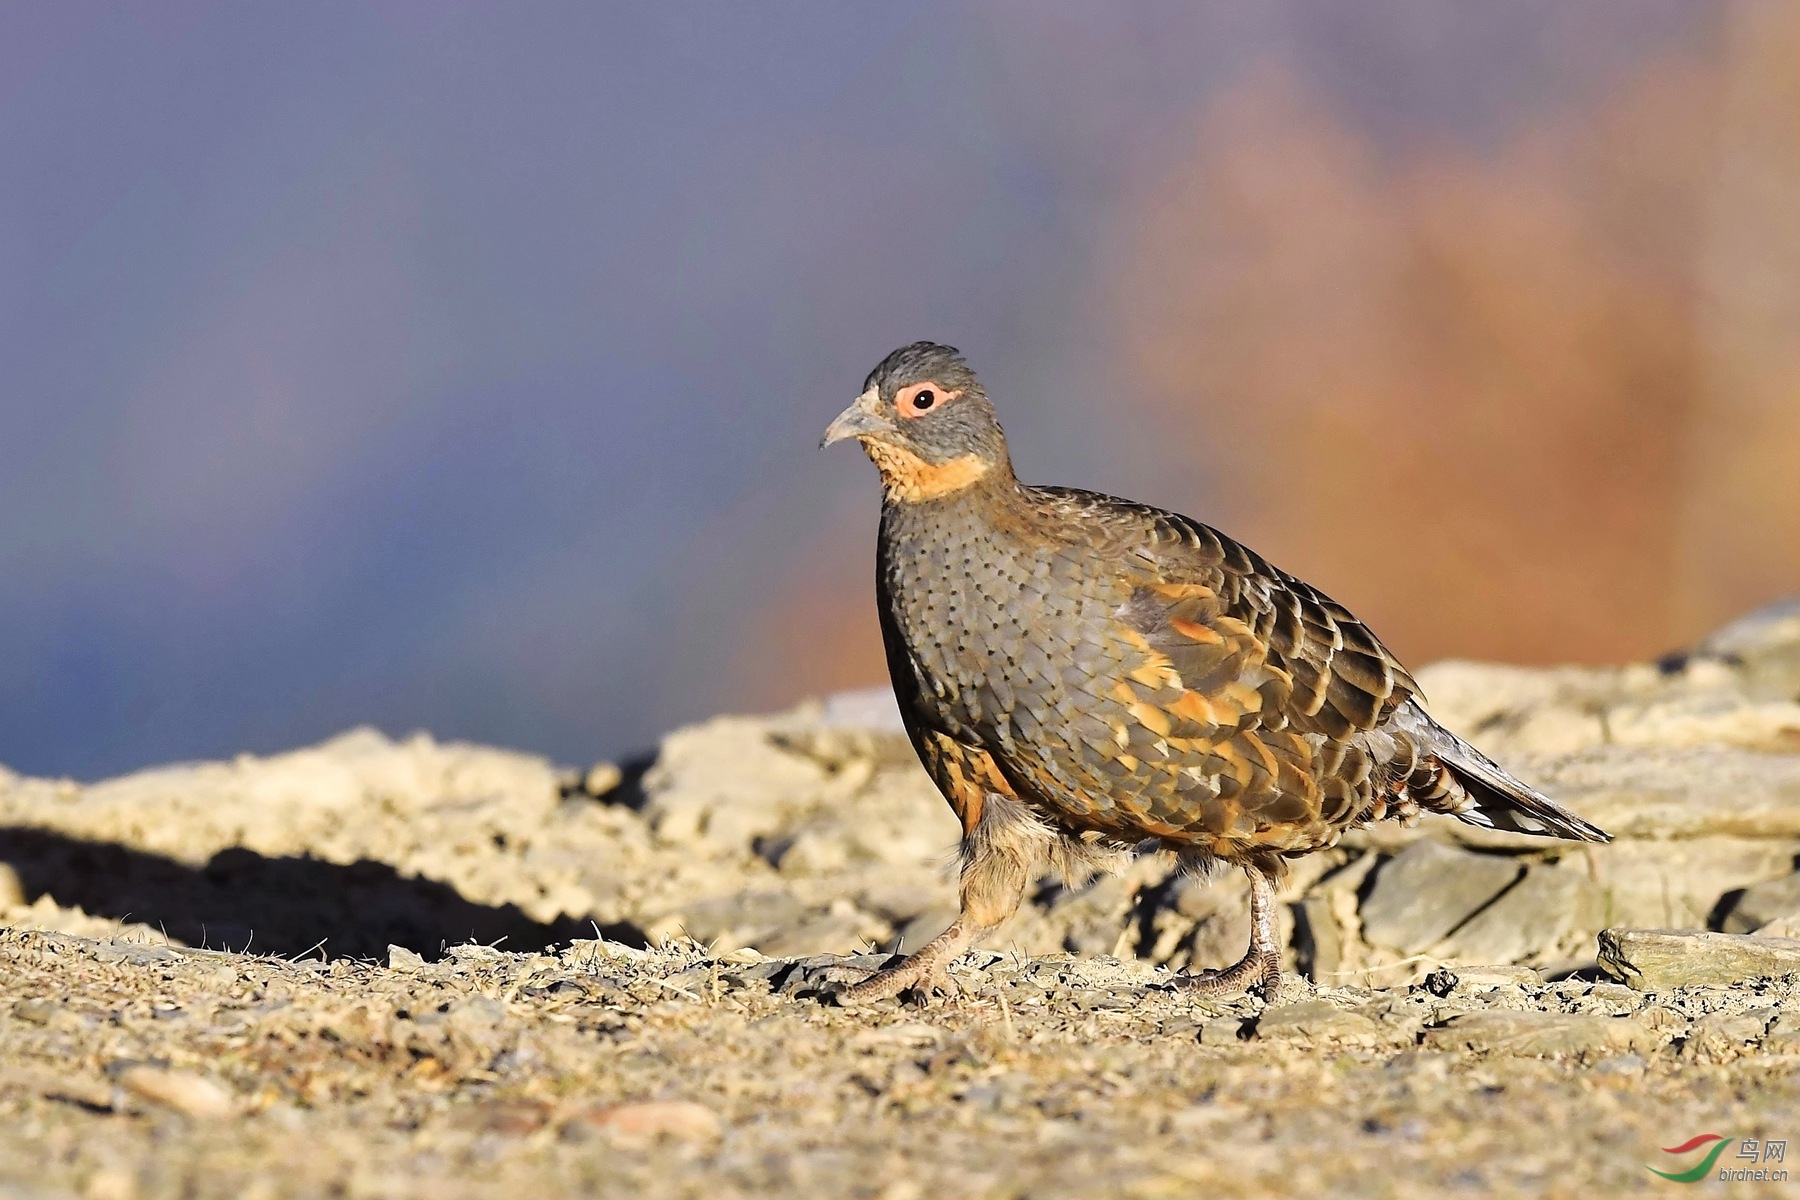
(1003, 636)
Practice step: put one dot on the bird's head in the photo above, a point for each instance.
(924, 420)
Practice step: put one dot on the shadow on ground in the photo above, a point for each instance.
(284, 906)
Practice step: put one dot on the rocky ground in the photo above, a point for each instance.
(472, 973)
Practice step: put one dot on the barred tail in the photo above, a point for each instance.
(1454, 777)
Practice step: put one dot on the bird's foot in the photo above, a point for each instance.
(924, 973)
(1258, 971)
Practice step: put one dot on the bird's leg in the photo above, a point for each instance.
(1260, 968)
(999, 856)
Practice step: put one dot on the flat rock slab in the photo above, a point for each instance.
(1538, 1034)
(1486, 977)
(1316, 1019)
(1722, 1036)
(1686, 792)
(1783, 1034)
(1654, 960)
(1544, 908)
(1764, 902)
(1429, 889)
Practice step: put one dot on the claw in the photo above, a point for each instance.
(926, 971)
(1259, 973)
(928, 979)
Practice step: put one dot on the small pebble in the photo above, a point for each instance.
(192, 1095)
(37, 1012)
(646, 1121)
(1623, 1064)
(402, 959)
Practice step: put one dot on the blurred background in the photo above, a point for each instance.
(461, 367)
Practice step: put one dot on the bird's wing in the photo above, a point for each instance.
(1223, 616)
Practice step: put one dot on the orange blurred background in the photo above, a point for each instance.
(1534, 402)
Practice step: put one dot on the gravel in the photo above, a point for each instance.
(604, 1070)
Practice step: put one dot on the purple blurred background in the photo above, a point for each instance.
(461, 367)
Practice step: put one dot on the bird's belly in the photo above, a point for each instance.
(1024, 692)
(1051, 709)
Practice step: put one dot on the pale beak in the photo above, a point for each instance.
(862, 419)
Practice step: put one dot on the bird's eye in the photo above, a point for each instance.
(917, 399)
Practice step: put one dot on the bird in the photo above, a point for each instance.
(1082, 676)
